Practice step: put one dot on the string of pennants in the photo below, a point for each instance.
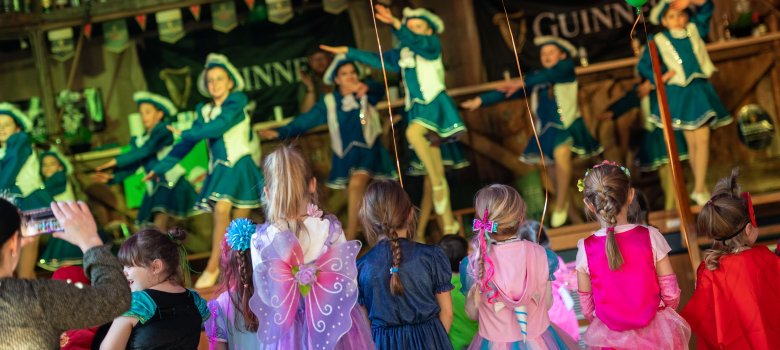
(171, 26)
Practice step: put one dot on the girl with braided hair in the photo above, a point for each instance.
(305, 278)
(735, 277)
(509, 285)
(624, 272)
(404, 285)
(232, 324)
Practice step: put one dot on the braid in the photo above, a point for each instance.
(608, 208)
(246, 289)
(396, 287)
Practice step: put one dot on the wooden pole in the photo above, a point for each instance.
(687, 228)
(45, 84)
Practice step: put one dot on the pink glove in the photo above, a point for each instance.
(670, 291)
(586, 304)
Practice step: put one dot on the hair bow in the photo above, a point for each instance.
(239, 233)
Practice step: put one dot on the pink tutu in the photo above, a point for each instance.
(668, 330)
(553, 338)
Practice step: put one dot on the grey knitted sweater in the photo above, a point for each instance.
(33, 313)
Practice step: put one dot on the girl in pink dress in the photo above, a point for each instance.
(511, 292)
(628, 290)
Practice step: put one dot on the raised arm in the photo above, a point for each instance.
(703, 17)
(66, 306)
(391, 58)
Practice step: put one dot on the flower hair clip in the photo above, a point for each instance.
(581, 182)
(239, 233)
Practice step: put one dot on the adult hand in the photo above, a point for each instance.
(268, 134)
(175, 131)
(109, 164)
(471, 104)
(306, 80)
(78, 223)
(102, 177)
(336, 50)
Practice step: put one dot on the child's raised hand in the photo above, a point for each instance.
(471, 104)
(149, 176)
(336, 50)
(384, 15)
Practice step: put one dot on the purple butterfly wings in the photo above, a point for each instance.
(327, 286)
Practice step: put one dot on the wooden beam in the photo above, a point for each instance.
(45, 83)
(686, 217)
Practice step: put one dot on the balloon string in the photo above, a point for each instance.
(533, 123)
(638, 16)
(387, 96)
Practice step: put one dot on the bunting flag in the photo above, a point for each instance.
(116, 38)
(141, 20)
(223, 16)
(334, 6)
(88, 30)
(61, 44)
(170, 25)
(195, 10)
(279, 11)
(250, 4)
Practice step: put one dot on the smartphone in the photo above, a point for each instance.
(40, 222)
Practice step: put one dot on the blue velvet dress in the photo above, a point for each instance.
(410, 320)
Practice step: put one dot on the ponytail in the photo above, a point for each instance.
(396, 287)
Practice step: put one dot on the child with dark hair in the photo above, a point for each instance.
(735, 305)
(624, 272)
(163, 313)
(232, 324)
(404, 285)
(639, 209)
(463, 328)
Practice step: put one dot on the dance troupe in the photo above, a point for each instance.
(296, 281)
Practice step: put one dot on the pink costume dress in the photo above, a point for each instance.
(521, 278)
(306, 288)
(562, 312)
(632, 307)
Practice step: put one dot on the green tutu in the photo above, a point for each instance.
(176, 202)
(693, 106)
(652, 153)
(240, 185)
(374, 161)
(440, 116)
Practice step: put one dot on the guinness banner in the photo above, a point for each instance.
(601, 29)
(268, 55)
